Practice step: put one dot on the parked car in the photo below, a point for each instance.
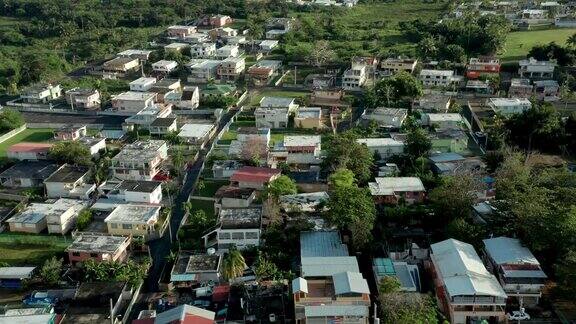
(520, 315)
(39, 298)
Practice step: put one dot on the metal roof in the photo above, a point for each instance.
(322, 244)
(299, 285)
(16, 272)
(335, 310)
(350, 282)
(328, 266)
(506, 250)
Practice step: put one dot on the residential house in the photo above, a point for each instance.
(520, 88)
(219, 20)
(279, 102)
(183, 314)
(254, 177)
(98, 247)
(203, 50)
(163, 126)
(33, 315)
(329, 98)
(223, 169)
(132, 101)
(449, 140)
(441, 121)
(94, 144)
(321, 81)
(147, 116)
(407, 274)
(478, 66)
(61, 215)
(142, 84)
(142, 55)
(516, 268)
(180, 31)
(30, 220)
(384, 147)
(28, 151)
(437, 78)
(197, 134)
(165, 87)
(165, 66)
(479, 87)
(15, 277)
(42, 93)
(27, 174)
(176, 47)
(189, 98)
(268, 45)
(120, 66)
(391, 66)
(231, 68)
(202, 70)
(466, 291)
(133, 191)
(509, 106)
(300, 150)
(534, 69)
(250, 141)
(227, 51)
(330, 286)
(271, 117)
(70, 132)
(235, 40)
(192, 269)
(387, 117)
(263, 71)
(304, 202)
(69, 181)
(224, 32)
(547, 90)
(276, 27)
(233, 197)
(196, 38)
(87, 99)
(432, 103)
(131, 219)
(140, 160)
(308, 117)
(390, 190)
(240, 227)
(356, 76)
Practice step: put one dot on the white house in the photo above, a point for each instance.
(356, 76)
(509, 106)
(271, 117)
(69, 182)
(203, 70)
(297, 150)
(228, 51)
(387, 117)
(385, 147)
(142, 84)
(132, 219)
(61, 215)
(140, 160)
(268, 45)
(442, 121)
(203, 50)
(197, 134)
(94, 144)
(189, 98)
(437, 78)
(133, 191)
(132, 101)
(392, 66)
(534, 69)
(236, 226)
(165, 66)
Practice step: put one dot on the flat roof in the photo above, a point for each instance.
(231, 218)
(254, 174)
(336, 310)
(302, 140)
(139, 185)
(305, 198)
(376, 142)
(139, 150)
(95, 243)
(389, 111)
(195, 130)
(68, 173)
(439, 117)
(16, 272)
(134, 96)
(163, 122)
(279, 102)
(498, 102)
(133, 214)
(39, 170)
(322, 244)
(309, 112)
(143, 81)
(389, 185)
(437, 72)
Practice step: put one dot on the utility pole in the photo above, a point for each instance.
(295, 68)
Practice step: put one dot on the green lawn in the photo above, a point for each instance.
(519, 43)
(276, 138)
(210, 187)
(19, 254)
(36, 135)
(206, 205)
(255, 101)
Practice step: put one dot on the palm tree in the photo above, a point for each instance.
(234, 264)
(571, 40)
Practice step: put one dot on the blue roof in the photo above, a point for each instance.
(446, 157)
(322, 244)
(383, 267)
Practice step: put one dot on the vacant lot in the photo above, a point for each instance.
(255, 100)
(210, 187)
(28, 135)
(519, 43)
(24, 249)
(206, 205)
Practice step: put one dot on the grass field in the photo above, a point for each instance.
(519, 43)
(28, 135)
(206, 205)
(19, 254)
(210, 187)
(255, 101)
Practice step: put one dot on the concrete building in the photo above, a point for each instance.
(509, 106)
(387, 117)
(516, 268)
(196, 134)
(94, 144)
(70, 181)
(28, 151)
(254, 177)
(223, 169)
(227, 51)
(87, 99)
(132, 101)
(308, 117)
(61, 215)
(165, 66)
(203, 50)
(233, 197)
(120, 66)
(69, 132)
(192, 269)
(133, 191)
(180, 31)
(27, 174)
(30, 220)
(391, 66)
(547, 90)
(478, 66)
(236, 226)
(42, 93)
(98, 247)
(231, 68)
(142, 55)
(301, 150)
(355, 77)
(134, 220)
(203, 70)
(142, 84)
(304, 202)
(176, 47)
(140, 160)
(385, 147)
(466, 291)
(163, 126)
(441, 121)
(263, 71)
(390, 190)
(268, 45)
(189, 98)
(520, 88)
(534, 69)
(437, 78)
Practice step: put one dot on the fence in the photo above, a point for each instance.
(11, 133)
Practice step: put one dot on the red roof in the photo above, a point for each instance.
(30, 147)
(220, 293)
(254, 174)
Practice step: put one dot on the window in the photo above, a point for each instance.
(114, 225)
(252, 235)
(126, 226)
(224, 236)
(237, 236)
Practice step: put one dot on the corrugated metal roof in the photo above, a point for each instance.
(328, 266)
(350, 282)
(299, 285)
(335, 310)
(322, 244)
(506, 250)
(16, 272)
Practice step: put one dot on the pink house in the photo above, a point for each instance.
(29, 151)
(220, 20)
(98, 247)
(70, 133)
(254, 177)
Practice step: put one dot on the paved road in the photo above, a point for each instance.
(160, 248)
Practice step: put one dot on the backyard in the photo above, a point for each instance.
(22, 249)
(36, 135)
(255, 100)
(519, 43)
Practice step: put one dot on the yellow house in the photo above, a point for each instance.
(135, 220)
(309, 117)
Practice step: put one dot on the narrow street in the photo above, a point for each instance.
(160, 248)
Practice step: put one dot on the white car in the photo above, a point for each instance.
(518, 316)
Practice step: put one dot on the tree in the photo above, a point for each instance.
(427, 48)
(455, 196)
(71, 152)
(566, 274)
(254, 149)
(233, 264)
(342, 178)
(320, 54)
(462, 230)
(50, 271)
(10, 119)
(264, 269)
(177, 158)
(352, 208)
(198, 219)
(344, 152)
(402, 85)
(407, 308)
(389, 284)
(172, 138)
(84, 219)
(418, 144)
(282, 185)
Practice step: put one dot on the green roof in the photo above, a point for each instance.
(384, 267)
